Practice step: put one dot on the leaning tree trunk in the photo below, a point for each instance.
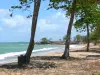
(88, 40)
(26, 58)
(66, 52)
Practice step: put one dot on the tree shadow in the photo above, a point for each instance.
(41, 62)
(46, 58)
(82, 50)
(53, 58)
(94, 50)
(93, 57)
(36, 62)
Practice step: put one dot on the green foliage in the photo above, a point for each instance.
(65, 5)
(78, 38)
(87, 11)
(88, 14)
(94, 36)
(44, 40)
(84, 38)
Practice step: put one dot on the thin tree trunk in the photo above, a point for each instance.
(66, 52)
(26, 58)
(88, 40)
(33, 28)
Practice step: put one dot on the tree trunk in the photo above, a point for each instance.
(88, 40)
(26, 58)
(66, 52)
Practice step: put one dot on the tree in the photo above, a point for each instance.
(26, 4)
(72, 8)
(44, 40)
(84, 39)
(94, 36)
(87, 19)
(66, 52)
(78, 38)
(33, 29)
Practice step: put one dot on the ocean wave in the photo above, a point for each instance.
(15, 54)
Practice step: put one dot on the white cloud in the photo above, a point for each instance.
(16, 21)
(54, 25)
(4, 13)
(53, 22)
(58, 15)
(44, 25)
(51, 26)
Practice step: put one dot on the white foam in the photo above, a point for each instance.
(12, 54)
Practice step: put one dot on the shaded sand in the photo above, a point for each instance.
(80, 63)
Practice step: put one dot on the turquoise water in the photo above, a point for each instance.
(10, 51)
(19, 47)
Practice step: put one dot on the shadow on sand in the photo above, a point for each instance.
(36, 62)
(94, 50)
(45, 62)
(42, 62)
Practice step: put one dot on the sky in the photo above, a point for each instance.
(51, 23)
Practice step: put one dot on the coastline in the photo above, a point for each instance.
(51, 64)
(40, 52)
(13, 59)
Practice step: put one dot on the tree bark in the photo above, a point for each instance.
(88, 40)
(66, 52)
(33, 29)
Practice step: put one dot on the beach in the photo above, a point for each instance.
(80, 63)
(10, 51)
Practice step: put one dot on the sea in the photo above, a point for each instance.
(11, 50)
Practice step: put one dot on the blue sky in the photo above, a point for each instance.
(51, 23)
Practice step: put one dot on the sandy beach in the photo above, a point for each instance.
(80, 63)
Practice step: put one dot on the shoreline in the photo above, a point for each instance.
(52, 51)
(34, 54)
(51, 64)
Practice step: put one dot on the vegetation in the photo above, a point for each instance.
(44, 40)
(74, 9)
(87, 20)
(68, 6)
(78, 38)
(95, 37)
